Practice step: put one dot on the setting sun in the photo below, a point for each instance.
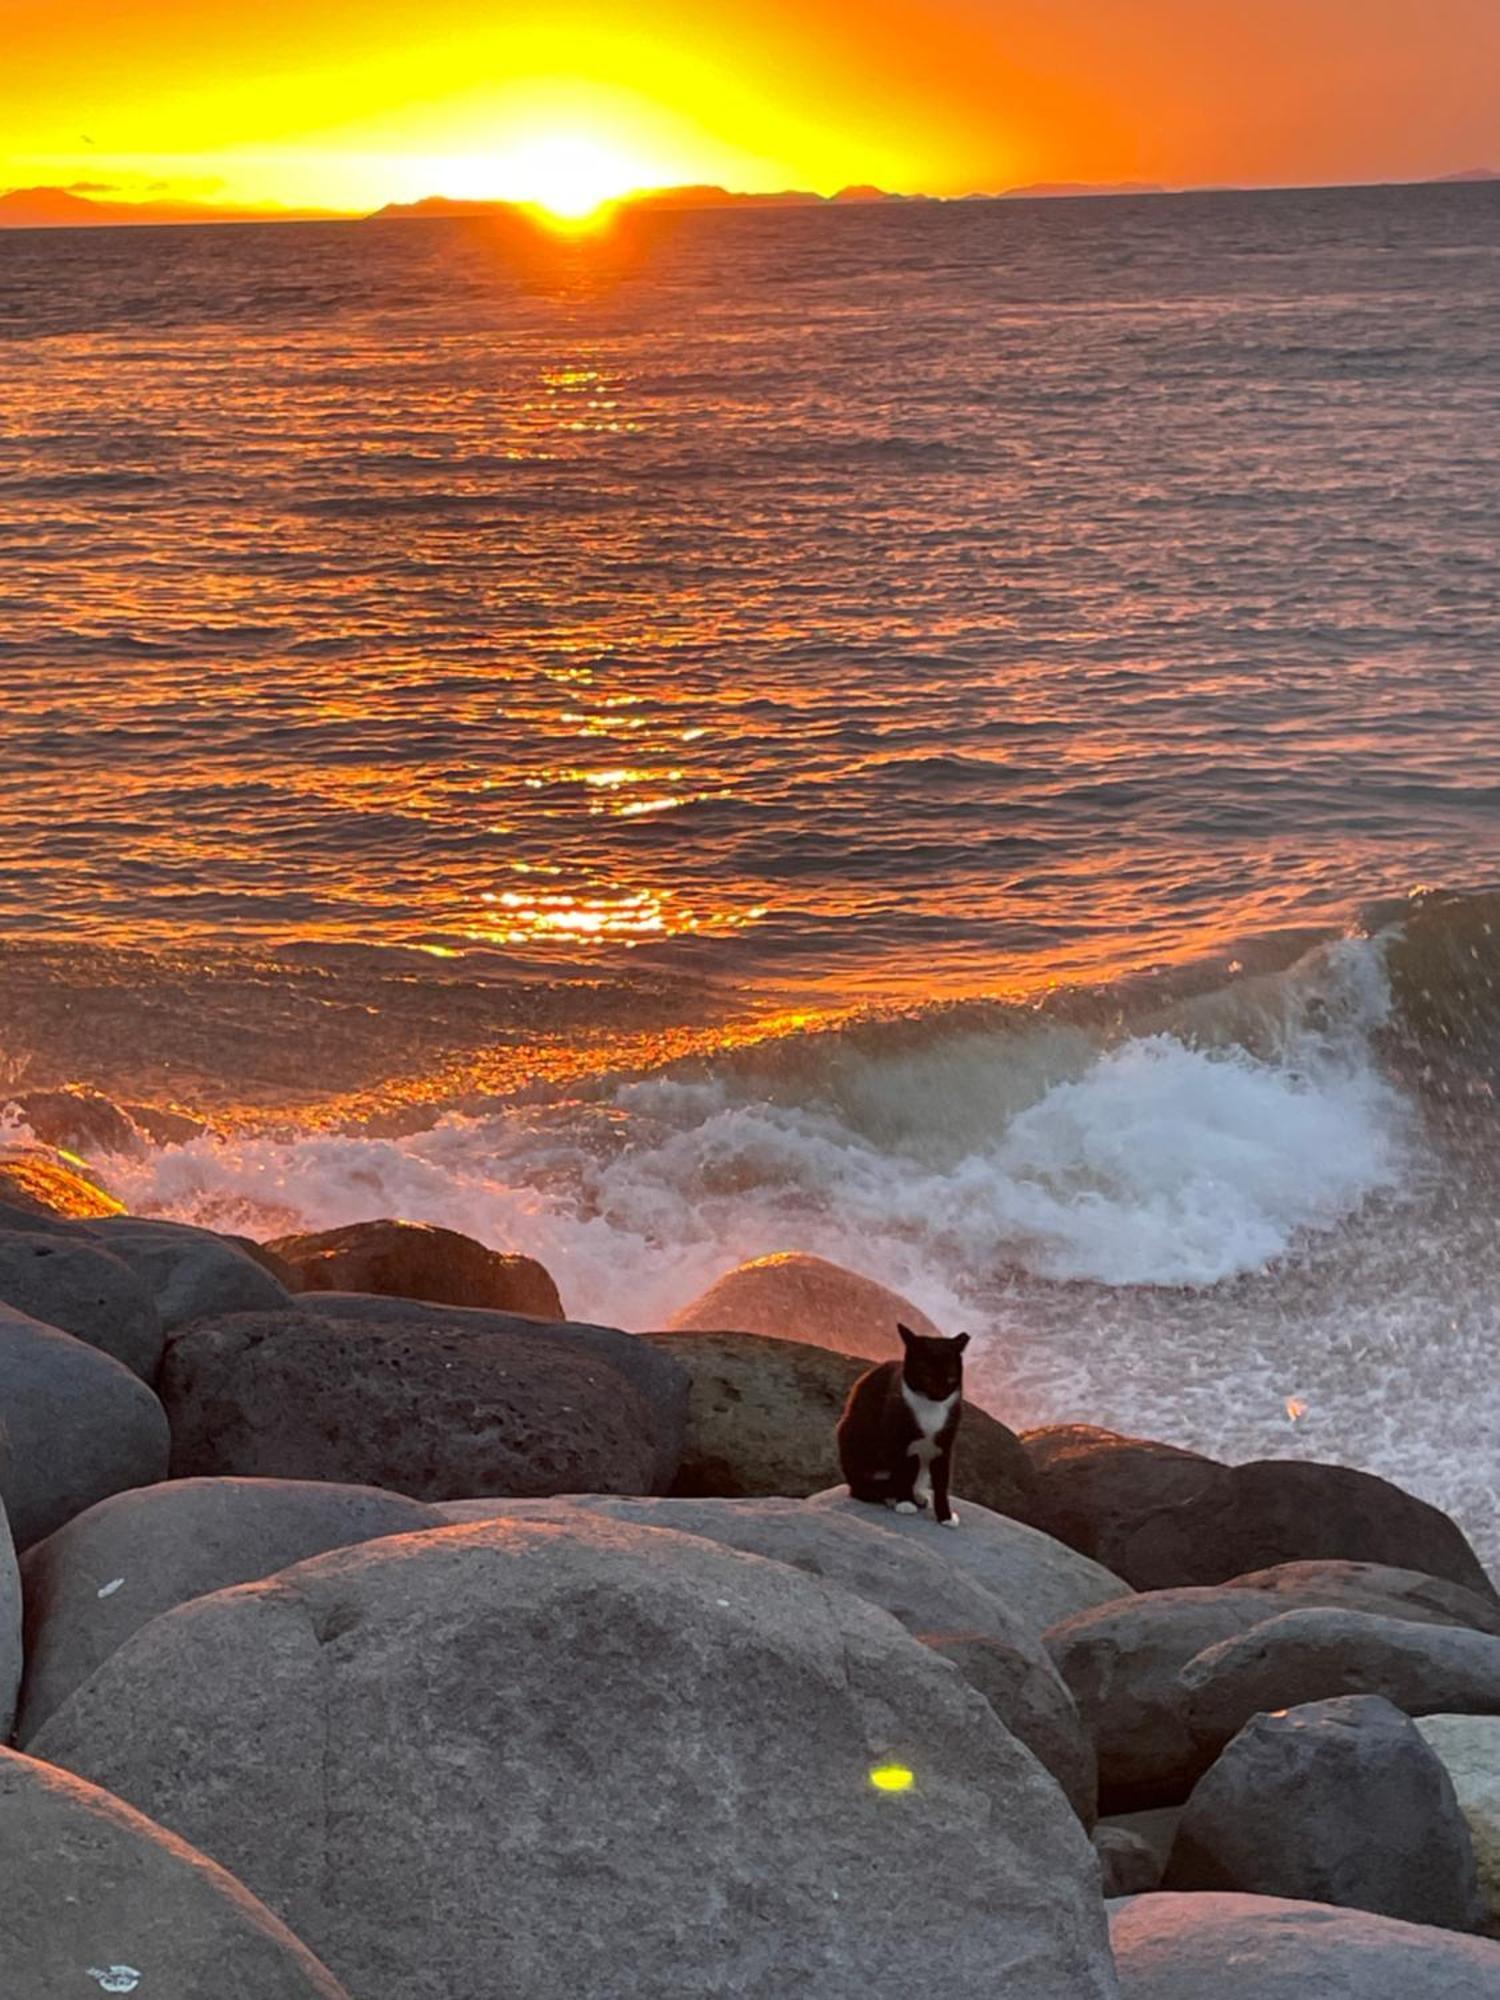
(568, 174)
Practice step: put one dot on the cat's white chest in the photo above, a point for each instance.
(930, 1418)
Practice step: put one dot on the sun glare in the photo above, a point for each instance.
(570, 175)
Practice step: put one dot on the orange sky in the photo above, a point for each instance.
(350, 103)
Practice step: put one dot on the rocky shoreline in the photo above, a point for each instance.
(374, 1630)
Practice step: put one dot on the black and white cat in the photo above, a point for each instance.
(897, 1431)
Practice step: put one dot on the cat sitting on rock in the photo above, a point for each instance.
(897, 1431)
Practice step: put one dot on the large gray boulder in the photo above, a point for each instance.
(83, 1289)
(109, 1571)
(192, 1273)
(418, 1260)
(1034, 1706)
(1335, 1802)
(493, 1403)
(1163, 1518)
(10, 1629)
(1312, 1655)
(557, 1760)
(98, 1900)
(659, 1380)
(74, 1427)
(763, 1413)
(1041, 1580)
(1123, 1661)
(1230, 1947)
(1122, 1664)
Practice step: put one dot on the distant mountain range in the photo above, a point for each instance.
(78, 207)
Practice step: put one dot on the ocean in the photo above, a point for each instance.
(964, 738)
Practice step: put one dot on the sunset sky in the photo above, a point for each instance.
(351, 103)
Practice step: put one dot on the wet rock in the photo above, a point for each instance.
(452, 1721)
(417, 1260)
(83, 1121)
(75, 1426)
(1313, 1655)
(434, 1410)
(1332, 1802)
(1468, 1747)
(1162, 1518)
(98, 1899)
(78, 1286)
(1187, 1947)
(192, 1273)
(113, 1569)
(790, 1296)
(1042, 1581)
(40, 1183)
(656, 1377)
(1034, 1706)
(1129, 1864)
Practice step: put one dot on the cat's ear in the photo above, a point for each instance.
(907, 1336)
(961, 1343)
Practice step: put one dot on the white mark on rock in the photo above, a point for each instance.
(116, 1978)
(109, 1589)
(723, 1603)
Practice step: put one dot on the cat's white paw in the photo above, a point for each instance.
(907, 1507)
(951, 1522)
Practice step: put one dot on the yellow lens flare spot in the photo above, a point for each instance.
(892, 1778)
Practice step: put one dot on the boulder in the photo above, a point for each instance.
(37, 1181)
(81, 1288)
(97, 1899)
(1123, 1661)
(262, 1254)
(1042, 1581)
(10, 1629)
(1034, 1706)
(436, 1411)
(1175, 1947)
(84, 1121)
(552, 1760)
(790, 1296)
(1468, 1747)
(113, 1569)
(1363, 1586)
(1162, 1518)
(417, 1260)
(1334, 1802)
(1128, 1863)
(1313, 1655)
(908, 1579)
(762, 1415)
(1155, 1830)
(657, 1378)
(74, 1426)
(191, 1272)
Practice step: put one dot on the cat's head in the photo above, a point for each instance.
(933, 1366)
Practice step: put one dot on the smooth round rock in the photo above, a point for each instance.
(436, 1411)
(1313, 1655)
(418, 1260)
(1333, 1802)
(75, 1426)
(113, 1569)
(99, 1900)
(791, 1296)
(593, 1758)
(192, 1273)
(1042, 1581)
(1231, 1947)
(1034, 1706)
(1164, 1518)
(81, 1288)
(1469, 1749)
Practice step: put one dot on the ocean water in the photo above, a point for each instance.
(965, 739)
